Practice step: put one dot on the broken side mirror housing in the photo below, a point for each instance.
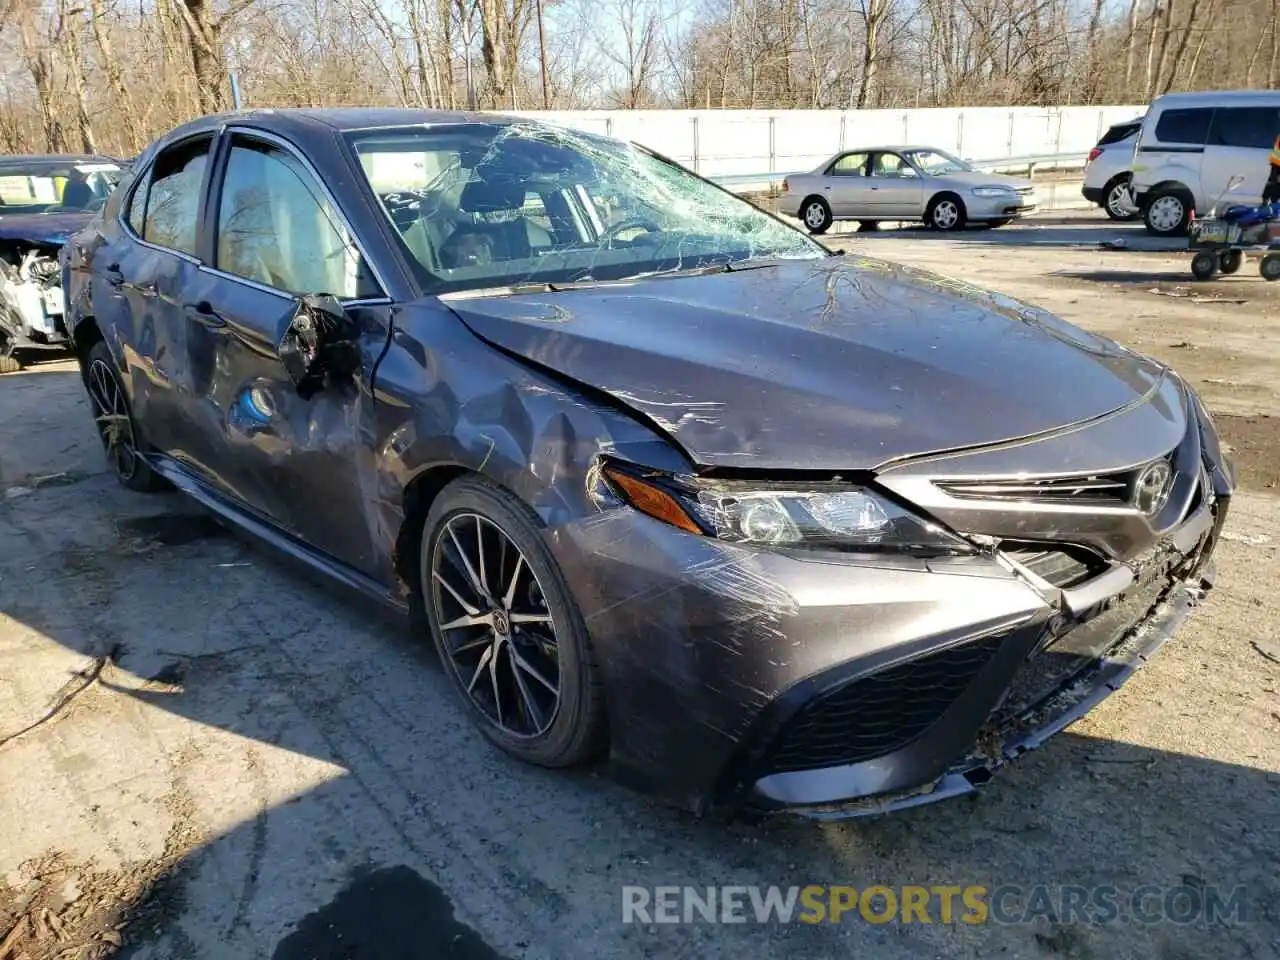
(319, 348)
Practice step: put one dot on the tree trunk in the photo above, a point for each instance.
(204, 44)
(128, 111)
(40, 64)
(1130, 44)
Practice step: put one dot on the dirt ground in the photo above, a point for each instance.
(205, 754)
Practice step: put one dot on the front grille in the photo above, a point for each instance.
(1062, 565)
(879, 713)
(1102, 489)
(1026, 190)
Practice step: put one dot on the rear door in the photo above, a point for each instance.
(276, 233)
(897, 190)
(143, 271)
(1239, 142)
(846, 186)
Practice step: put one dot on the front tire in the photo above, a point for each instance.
(508, 631)
(1168, 212)
(121, 439)
(946, 212)
(1117, 200)
(1229, 261)
(816, 214)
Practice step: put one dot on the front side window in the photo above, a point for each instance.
(483, 205)
(1255, 127)
(1190, 126)
(276, 227)
(173, 201)
(891, 165)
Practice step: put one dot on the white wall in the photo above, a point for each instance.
(735, 142)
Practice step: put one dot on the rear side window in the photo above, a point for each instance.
(1245, 127)
(1121, 131)
(1190, 126)
(173, 202)
(850, 165)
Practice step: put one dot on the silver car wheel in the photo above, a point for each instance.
(500, 635)
(945, 214)
(1166, 213)
(1120, 201)
(815, 215)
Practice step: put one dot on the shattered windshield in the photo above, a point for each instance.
(935, 163)
(46, 188)
(483, 205)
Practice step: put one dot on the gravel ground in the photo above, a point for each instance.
(206, 754)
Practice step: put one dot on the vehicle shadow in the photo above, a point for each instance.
(280, 771)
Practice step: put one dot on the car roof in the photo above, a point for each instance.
(892, 148)
(1211, 97)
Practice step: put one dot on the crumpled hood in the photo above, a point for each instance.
(50, 228)
(831, 364)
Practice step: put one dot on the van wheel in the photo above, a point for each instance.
(1118, 199)
(1168, 212)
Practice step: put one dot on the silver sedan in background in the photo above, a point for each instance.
(904, 183)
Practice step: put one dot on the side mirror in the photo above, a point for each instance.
(318, 348)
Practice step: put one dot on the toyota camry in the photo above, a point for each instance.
(665, 480)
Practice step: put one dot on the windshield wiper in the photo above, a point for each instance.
(728, 266)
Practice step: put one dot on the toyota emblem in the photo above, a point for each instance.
(1152, 487)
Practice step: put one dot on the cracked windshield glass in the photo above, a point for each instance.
(484, 206)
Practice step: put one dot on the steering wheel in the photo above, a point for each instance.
(631, 223)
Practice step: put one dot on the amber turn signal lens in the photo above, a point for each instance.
(655, 502)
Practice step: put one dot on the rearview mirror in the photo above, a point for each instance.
(318, 348)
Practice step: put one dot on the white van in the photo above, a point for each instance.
(1194, 145)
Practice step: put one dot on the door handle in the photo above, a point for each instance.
(113, 275)
(204, 314)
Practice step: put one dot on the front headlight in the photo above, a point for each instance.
(833, 516)
(993, 191)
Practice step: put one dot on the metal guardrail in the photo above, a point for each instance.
(1058, 161)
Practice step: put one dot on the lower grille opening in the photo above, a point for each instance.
(879, 713)
(1061, 564)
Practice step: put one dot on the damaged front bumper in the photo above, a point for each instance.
(834, 687)
(32, 305)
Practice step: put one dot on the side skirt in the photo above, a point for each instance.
(273, 535)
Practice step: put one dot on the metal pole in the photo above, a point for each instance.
(235, 90)
(542, 54)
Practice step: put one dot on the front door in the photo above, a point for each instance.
(1235, 168)
(896, 187)
(305, 464)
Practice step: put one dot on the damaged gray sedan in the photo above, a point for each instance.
(664, 479)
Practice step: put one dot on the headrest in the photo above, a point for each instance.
(491, 196)
(77, 194)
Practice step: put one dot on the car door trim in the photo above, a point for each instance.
(1175, 149)
(280, 143)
